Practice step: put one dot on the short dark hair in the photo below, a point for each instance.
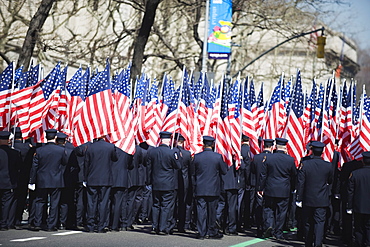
(317, 152)
(267, 144)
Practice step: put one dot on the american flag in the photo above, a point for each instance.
(153, 116)
(74, 101)
(122, 98)
(308, 114)
(362, 143)
(139, 107)
(345, 125)
(259, 112)
(96, 118)
(161, 110)
(119, 133)
(274, 115)
(151, 107)
(44, 97)
(294, 127)
(328, 133)
(6, 81)
(317, 118)
(234, 106)
(248, 119)
(223, 131)
(205, 108)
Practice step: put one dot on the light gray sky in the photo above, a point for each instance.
(353, 20)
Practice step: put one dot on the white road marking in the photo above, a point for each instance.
(66, 233)
(27, 239)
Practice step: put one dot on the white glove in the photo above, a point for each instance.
(349, 211)
(149, 187)
(84, 184)
(31, 186)
(337, 196)
(298, 204)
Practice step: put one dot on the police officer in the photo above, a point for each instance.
(147, 199)
(359, 201)
(245, 204)
(162, 161)
(10, 161)
(228, 207)
(256, 169)
(183, 180)
(119, 188)
(80, 189)
(137, 177)
(276, 184)
(347, 219)
(334, 217)
(21, 192)
(207, 166)
(47, 177)
(313, 193)
(98, 164)
(70, 177)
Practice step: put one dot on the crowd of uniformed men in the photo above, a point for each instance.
(97, 187)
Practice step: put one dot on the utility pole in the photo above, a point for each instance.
(205, 40)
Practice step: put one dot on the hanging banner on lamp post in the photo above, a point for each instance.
(219, 33)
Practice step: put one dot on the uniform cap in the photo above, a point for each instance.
(268, 141)
(317, 146)
(366, 156)
(165, 135)
(4, 135)
(61, 135)
(208, 140)
(179, 137)
(281, 141)
(245, 138)
(308, 145)
(50, 133)
(17, 132)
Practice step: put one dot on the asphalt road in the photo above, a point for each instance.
(141, 237)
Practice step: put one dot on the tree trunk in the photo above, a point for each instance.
(142, 38)
(32, 35)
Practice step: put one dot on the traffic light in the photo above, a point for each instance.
(321, 41)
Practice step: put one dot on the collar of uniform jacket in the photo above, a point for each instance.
(164, 145)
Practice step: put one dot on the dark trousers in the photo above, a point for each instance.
(97, 207)
(347, 224)
(258, 213)
(31, 207)
(41, 203)
(172, 216)
(231, 205)
(7, 198)
(206, 213)
(80, 200)
(221, 215)
(21, 196)
(191, 209)
(118, 201)
(362, 229)
(335, 218)
(181, 208)
(146, 206)
(314, 219)
(132, 204)
(161, 209)
(274, 214)
(67, 207)
(138, 202)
